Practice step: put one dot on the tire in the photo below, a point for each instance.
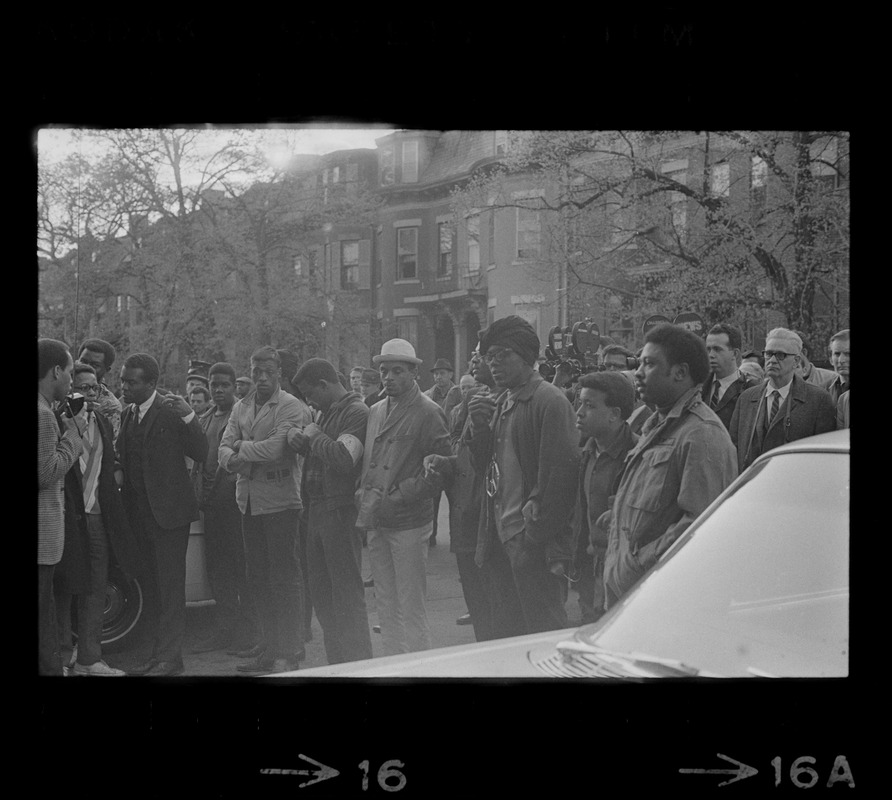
(122, 621)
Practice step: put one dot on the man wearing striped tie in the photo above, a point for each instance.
(784, 407)
(108, 532)
(725, 383)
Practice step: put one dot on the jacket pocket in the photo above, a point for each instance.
(654, 476)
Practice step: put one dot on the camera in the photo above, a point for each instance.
(73, 405)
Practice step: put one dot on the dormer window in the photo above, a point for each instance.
(410, 162)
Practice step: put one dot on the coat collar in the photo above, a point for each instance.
(525, 392)
(401, 409)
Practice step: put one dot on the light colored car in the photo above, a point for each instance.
(125, 601)
(757, 586)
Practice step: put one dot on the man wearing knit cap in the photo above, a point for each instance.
(526, 445)
(396, 496)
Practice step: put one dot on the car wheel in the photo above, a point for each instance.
(124, 611)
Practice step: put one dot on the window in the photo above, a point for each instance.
(528, 229)
(298, 266)
(335, 174)
(501, 142)
(721, 180)
(491, 237)
(474, 243)
(444, 260)
(759, 181)
(407, 328)
(410, 162)
(379, 258)
(120, 303)
(352, 178)
(311, 263)
(407, 253)
(678, 204)
(350, 265)
(326, 259)
(386, 162)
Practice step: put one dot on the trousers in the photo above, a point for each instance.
(90, 605)
(49, 660)
(399, 561)
(334, 560)
(275, 579)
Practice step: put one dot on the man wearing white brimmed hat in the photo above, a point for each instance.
(396, 496)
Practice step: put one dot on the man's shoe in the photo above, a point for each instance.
(376, 629)
(166, 669)
(464, 619)
(216, 641)
(368, 583)
(258, 665)
(284, 665)
(100, 669)
(142, 669)
(432, 542)
(252, 652)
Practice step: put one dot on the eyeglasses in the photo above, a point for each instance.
(497, 355)
(778, 354)
(87, 388)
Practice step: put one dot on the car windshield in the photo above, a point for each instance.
(761, 587)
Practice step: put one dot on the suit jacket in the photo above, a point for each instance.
(168, 441)
(728, 401)
(807, 411)
(56, 453)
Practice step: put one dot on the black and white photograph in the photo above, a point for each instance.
(381, 455)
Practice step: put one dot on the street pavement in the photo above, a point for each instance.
(444, 604)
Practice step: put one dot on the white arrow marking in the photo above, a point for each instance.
(742, 771)
(323, 773)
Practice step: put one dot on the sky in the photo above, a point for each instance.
(280, 141)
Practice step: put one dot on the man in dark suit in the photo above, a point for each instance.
(782, 409)
(157, 434)
(725, 383)
(105, 531)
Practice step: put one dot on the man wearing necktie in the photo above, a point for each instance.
(156, 436)
(784, 407)
(725, 383)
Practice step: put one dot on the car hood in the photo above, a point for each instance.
(499, 658)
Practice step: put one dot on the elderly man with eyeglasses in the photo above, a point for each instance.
(784, 407)
(526, 445)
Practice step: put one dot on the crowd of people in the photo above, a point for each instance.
(551, 484)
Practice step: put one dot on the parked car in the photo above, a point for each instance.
(125, 600)
(757, 586)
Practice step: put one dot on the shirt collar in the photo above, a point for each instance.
(728, 380)
(144, 407)
(783, 392)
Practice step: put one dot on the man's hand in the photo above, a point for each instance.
(71, 423)
(297, 440)
(481, 408)
(119, 478)
(558, 568)
(434, 464)
(603, 522)
(530, 512)
(312, 430)
(177, 404)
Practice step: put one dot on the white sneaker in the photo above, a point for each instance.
(99, 669)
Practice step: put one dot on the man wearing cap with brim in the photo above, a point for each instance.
(395, 496)
(527, 447)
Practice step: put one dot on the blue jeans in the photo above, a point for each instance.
(399, 561)
(275, 580)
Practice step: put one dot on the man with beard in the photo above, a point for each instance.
(682, 462)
